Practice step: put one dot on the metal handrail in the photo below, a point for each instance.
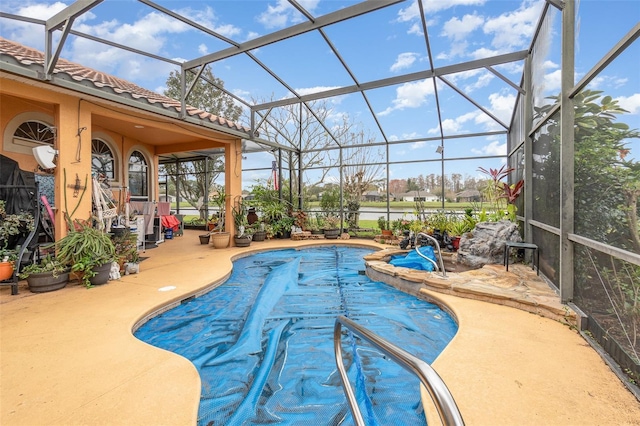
(444, 272)
(442, 398)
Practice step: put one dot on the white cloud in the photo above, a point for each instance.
(207, 18)
(31, 34)
(202, 49)
(415, 29)
(457, 29)
(551, 83)
(514, 29)
(436, 6)
(631, 103)
(482, 81)
(412, 12)
(501, 107)
(453, 126)
(483, 52)
(410, 95)
(404, 60)
(309, 90)
(473, 79)
(493, 148)
(280, 14)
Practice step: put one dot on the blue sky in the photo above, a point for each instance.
(375, 46)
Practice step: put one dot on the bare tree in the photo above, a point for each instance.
(316, 138)
(364, 169)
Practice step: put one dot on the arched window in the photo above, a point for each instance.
(138, 176)
(35, 133)
(102, 159)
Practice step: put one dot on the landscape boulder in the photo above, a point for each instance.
(485, 244)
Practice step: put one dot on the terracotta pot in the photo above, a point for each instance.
(455, 242)
(387, 232)
(220, 240)
(6, 270)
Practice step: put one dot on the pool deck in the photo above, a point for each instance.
(69, 357)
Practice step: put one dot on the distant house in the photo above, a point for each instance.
(167, 198)
(372, 196)
(414, 196)
(468, 195)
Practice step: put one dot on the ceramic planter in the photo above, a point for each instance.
(204, 238)
(220, 240)
(259, 235)
(242, 241)
(331, 234)
(102, 274)
(6, 270)
(46, 281)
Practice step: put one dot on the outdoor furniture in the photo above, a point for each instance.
(170, 222)
(510, 244)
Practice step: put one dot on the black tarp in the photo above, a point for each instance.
(17, 187)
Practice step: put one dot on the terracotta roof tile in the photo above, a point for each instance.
(28, 56)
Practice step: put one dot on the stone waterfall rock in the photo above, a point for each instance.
(485, 244)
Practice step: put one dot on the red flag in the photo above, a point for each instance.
(274, 170)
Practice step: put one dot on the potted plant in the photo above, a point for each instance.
(456, 228)
(314, 226)
(268, 231)
(48, 275)
(204, 238)
(331, 227)
(7, 261)
(89, 252)
(282, 227)
(126, 247)
(259, 232)
(242, 238)
(383, 224)
(220, 238)
(12, 228)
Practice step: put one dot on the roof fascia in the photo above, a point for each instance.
(62, 81)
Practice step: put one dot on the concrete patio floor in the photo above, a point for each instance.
(69, 357)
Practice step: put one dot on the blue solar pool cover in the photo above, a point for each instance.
(414, 261)
(263, 341)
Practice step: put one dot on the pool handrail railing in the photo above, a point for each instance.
(444, 272)
(442, 398)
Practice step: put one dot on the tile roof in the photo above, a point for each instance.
(29, 57)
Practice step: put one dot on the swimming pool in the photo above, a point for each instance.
(263, 341)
